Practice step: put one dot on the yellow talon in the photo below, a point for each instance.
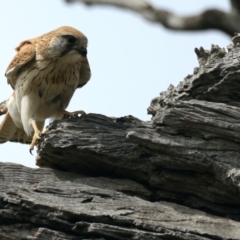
(36, 136)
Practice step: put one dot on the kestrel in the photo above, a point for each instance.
(44, 75)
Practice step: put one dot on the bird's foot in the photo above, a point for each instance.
(67, 114)
(38, 134)
(36, 137)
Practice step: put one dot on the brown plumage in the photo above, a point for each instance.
(44, 75)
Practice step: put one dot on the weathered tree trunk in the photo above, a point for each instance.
(175, 177)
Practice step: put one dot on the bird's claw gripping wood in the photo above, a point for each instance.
(37, 135)
(67, 114)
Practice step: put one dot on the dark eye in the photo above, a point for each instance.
(71, 39)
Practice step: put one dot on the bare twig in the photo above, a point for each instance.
(226, 22)
(235, 6)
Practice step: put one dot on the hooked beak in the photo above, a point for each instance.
(83, 51)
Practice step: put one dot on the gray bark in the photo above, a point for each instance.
(50, 204)
(174, 177)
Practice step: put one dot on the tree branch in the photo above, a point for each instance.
(209, 19)
(235, 6)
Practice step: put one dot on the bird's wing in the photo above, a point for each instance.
(3, 107)
(25, 54)
(10, 132)
(85, 73)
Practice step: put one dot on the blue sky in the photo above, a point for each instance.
(132, 60)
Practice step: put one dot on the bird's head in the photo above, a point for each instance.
(66, 42)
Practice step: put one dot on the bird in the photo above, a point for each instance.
(44, 74)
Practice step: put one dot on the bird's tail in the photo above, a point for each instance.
(10, 132)
(7, 128)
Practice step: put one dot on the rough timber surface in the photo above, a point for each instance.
(50, 204)
(174, 177)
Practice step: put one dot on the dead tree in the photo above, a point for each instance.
(174, 177)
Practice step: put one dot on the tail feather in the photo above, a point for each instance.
(21, 136)
(9, 131)
(7, 128)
